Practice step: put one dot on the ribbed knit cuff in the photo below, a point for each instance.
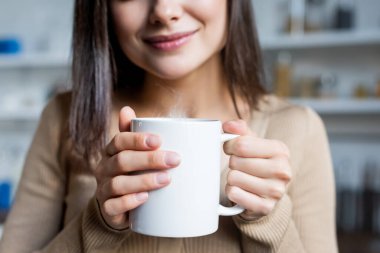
(270, 229)
(97, 234)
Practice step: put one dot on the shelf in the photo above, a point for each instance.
(34, 60)
(341, 106)
(322, 39)
(21, 115)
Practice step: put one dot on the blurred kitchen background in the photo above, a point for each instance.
(320, 53)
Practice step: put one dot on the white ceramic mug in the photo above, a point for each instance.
(189, 205)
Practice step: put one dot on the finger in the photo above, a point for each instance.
(119, 222)
(116, 206)
(237, 127)
(123, 185)
(256, 205)
(253, 147)
(263, 168)
(125, 116)
(130, 161)
(132, 141)
(266, 188)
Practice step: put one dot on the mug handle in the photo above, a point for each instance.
(229, 211)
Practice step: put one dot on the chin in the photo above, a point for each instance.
(171, 73)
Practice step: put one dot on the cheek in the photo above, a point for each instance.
(128, 19)
(213, 14)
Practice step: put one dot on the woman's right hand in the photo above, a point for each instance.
(119, 188)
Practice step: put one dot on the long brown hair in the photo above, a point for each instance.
(100, 67)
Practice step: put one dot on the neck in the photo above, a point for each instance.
(201, 94)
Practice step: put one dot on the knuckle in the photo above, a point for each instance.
(265, 207)
(119, 160)
(148, 181)
(139, 140)
(227, 147)
(233, 193)
(287, 175)
(276, 192)
(107, 208)
(233, 162)
(126, 202)
(282, 171)
(116, 141)
(232, 177)
(156, 158)
(115, 185)
(241, 146)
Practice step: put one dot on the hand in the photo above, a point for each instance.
(119, 188)
(260, 170)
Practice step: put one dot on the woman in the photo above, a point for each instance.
(157, 58)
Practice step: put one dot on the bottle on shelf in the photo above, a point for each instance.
(377, 92)
(361, 91)
(328, 86)
(283, 74)
(296, 18)
(315, 15)
(345, 15)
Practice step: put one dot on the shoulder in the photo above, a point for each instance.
(299, 127)
(59, 104)
(54, 117)
(58, 107)
(285, 118)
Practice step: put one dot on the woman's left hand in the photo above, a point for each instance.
(260, 170)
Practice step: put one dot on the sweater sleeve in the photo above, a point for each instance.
(35, 222)
(36, 213)
(87, 233)
(304, 219)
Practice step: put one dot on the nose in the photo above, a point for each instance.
(165, 12)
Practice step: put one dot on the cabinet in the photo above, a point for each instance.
(351, 112)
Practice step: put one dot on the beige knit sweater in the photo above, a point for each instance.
(55, 211)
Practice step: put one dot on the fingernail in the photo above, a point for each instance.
(163, 178)
(172, 159)
(152, 141)
(142, 196)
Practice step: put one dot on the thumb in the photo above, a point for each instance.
(237, 127)
(125, 116)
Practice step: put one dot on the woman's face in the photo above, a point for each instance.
(170, 38)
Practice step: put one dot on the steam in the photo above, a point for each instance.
(177, 110)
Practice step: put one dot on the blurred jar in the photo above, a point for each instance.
(308, 87)
(328, 86)
(315, 15)
(296, 19)
(345, 14)
(361, 91)
(283, 74)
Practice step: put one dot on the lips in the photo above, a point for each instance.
(169, 42)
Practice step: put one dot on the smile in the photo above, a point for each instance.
(169, 42)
